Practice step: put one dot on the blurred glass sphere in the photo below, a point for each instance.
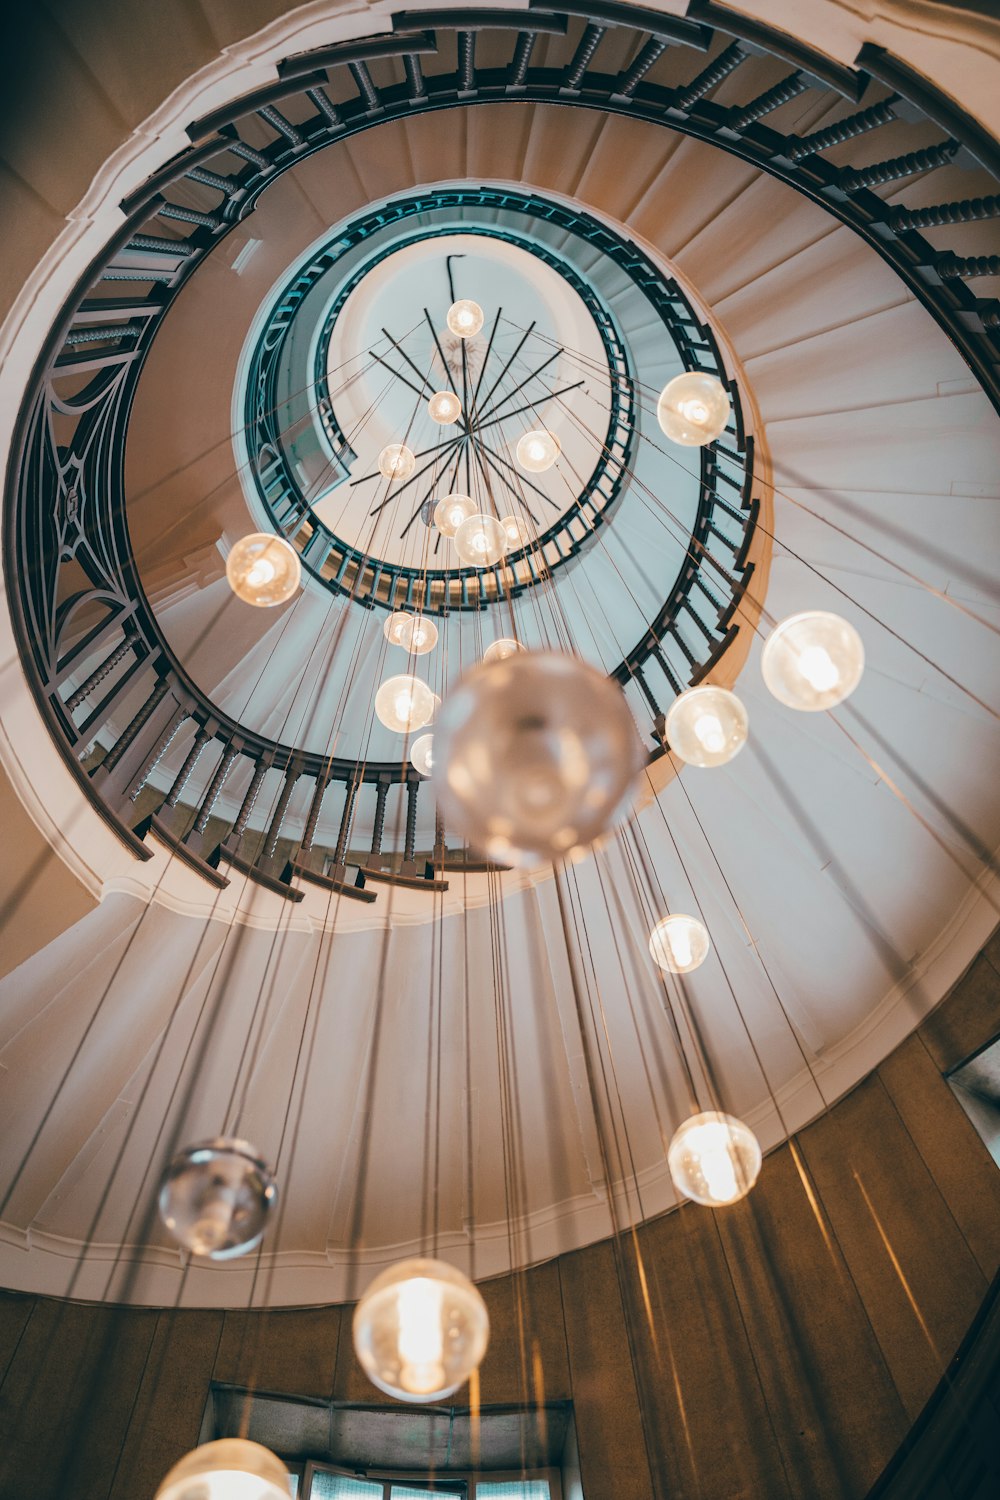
(263, 569)
(714, 1159)
(706, 726)
(421, 754)
(679, 943)
(435, 707)
(481, 541)
(444, 407)
(397, 628)
(421, 636)
(812, 661)
(537, 451)
(404, 703)
(396, 461)
(501, 649)
(518, 531)
(215, 1198)
(693, 409)
(450, 512)
(420, 1330)
(535, 756)
(230, 1469)
(465, 318)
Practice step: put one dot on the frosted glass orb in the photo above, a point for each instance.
(537, 450)
(714, 1159)
(230, 1469)
(263, 569)
(679, 943)
(693, 409)
(444, 407)
(421, 754)
(535, 757)
(450, 512)
(813, 661)
(420, 1330)
(421, 635)
(435, 707)
(397, 628)
(518, 531)
(396, 461)
(501, 649)
(404, 704)
(481, 541)
(465, 318)
(215, 1198)
(706, 726)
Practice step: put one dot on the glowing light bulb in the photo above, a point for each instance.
(444, 408)
(420, 636)
(537, 451)
(396, 461)
(263, 569)
(706, 726)
(693, 409)
(679, 943)
(397, 628)
(518, 531)
(420, 1330)
(450, 512)
(465, 318)
(481, 541)
(403, 704)
(714, 1159)
(501, 649)
(230, 1469)
(422, 754)
(812, 661)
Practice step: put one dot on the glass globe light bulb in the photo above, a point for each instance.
(537, 451)
(420, 636)
(706, 726)
(435, 707)
(397, 628)
(215, 1198)
(444, 407)
(450, 512)
(421, 754)
(396, 461)
(501, 649)
(812, 661)
(714, 1159)
(420, 1330)
(693, 409)
(518, 531)
(230, 1469)
(465, 318)
(263, 569)
(404, 703)
(481, 541)
(679, 943)
(535, 756)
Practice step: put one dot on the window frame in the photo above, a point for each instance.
(461, 1484)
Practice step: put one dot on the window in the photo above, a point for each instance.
(320, 1482)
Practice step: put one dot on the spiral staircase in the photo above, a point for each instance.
(826, 232)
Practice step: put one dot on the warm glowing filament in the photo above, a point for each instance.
(710, 733)
(261, 572)
(420, 1306)
(819, 668)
